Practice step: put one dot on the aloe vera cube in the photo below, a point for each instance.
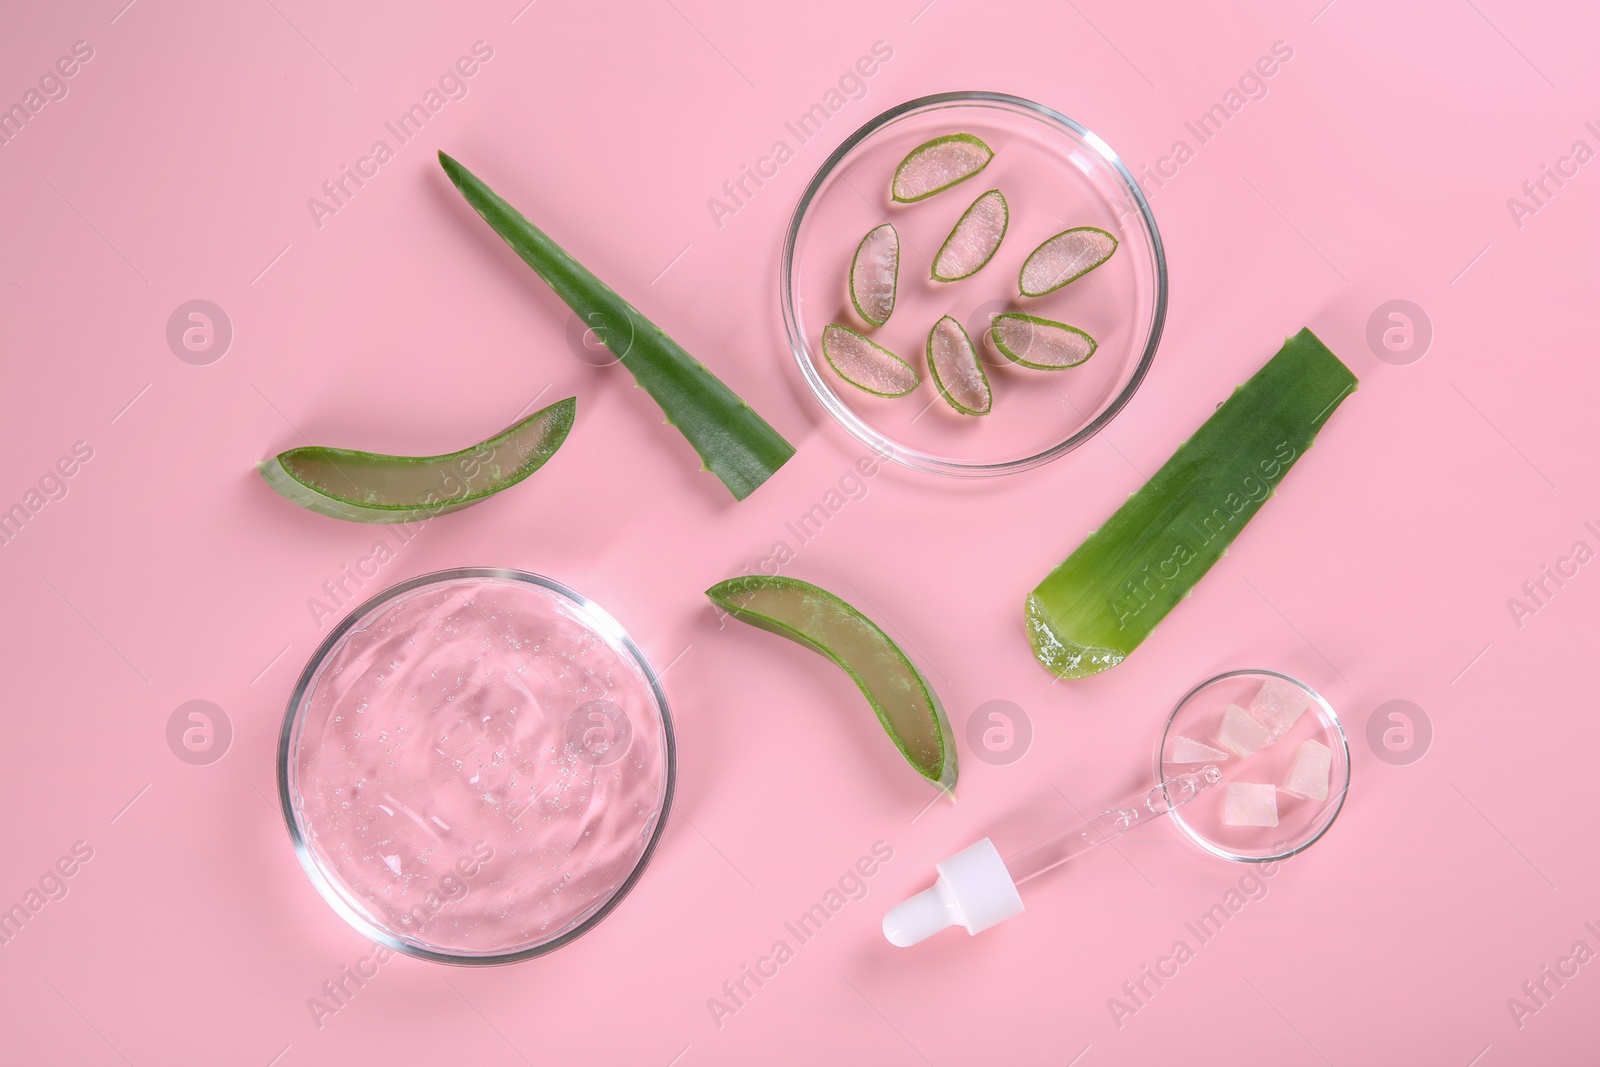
(1241, 733)
(1309, 772)
(900, 696)
(1278, 705)
(1095, 608)
(1250, 804)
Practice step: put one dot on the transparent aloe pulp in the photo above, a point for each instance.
(479, 767)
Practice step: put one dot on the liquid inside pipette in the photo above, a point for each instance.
(977, 889)
(1112, 823)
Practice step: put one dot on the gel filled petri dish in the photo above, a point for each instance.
(1054, 175)
(1275, 785)
(476, 766)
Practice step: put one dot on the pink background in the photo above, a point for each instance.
(1377, 167)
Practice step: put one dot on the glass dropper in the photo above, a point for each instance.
(977, 889)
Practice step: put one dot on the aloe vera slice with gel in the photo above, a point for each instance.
(974, 239)
(934, 166)
(1064, 258)
(902, 699)
(733, 441)
(956, 368)
(373, 487)
(1094, 609)
(1042, 344)
(866, 364)
(875, 273)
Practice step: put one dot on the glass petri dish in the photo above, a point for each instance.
(476, 766)
(1055, 174)
(1301, 821)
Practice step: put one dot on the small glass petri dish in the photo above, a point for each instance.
(1055, 174)
(476, 766)
(1301, 821)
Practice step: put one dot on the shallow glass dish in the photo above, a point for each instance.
(1301, 821)
(476, 766)
(1055, 175)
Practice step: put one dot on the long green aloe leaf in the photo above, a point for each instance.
(734, 442)
(1094, 609)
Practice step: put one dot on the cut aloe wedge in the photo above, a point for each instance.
(1094, 609)
(866, 365)
(874, 274)
(733, 441)
(1042, 344)
(936, 165)
(957, 370)
(900, 696)
(1066, 257)
(974, 240)
(372, 487)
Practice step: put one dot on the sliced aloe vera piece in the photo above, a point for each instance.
(974, 240)
(900, 696)
(1066, 257)
(867, 365)
(372, 487)
(936, 165)
(874, 274)
(1094, 609)
(733, 441)
(957, 370)
(1043, 344)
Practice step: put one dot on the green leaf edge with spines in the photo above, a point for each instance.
(734, 443)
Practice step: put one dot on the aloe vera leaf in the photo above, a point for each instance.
(373, 487)
(1094, 609)
(957, 370)
(875, 273)
(735, 443)
(974, 239)
(934, 166)
(900, 696)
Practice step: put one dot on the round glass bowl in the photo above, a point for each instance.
(1055, 175)
(1301, 821)
(476, 766)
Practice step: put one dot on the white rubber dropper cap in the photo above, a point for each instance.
(974, 890)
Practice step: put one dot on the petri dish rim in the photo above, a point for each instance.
(1331, 814)
(856, 426)
(288, 735)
